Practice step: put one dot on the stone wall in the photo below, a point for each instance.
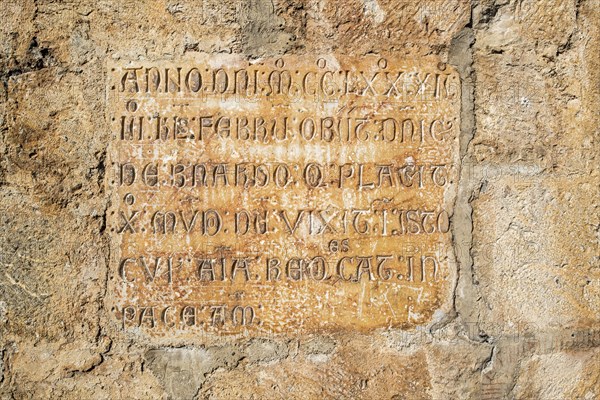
(523, 320)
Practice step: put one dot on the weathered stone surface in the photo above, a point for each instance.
(518, 312)
(286, 195)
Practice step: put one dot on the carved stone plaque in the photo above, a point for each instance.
(296, 194)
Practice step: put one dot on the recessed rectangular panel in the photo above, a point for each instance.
(298, 194)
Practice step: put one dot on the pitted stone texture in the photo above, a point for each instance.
(534, 156)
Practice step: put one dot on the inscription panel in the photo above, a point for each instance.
(294, 194)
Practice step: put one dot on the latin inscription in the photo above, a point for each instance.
(294, 194)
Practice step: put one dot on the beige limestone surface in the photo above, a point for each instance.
(509, 309)
(291, 195)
